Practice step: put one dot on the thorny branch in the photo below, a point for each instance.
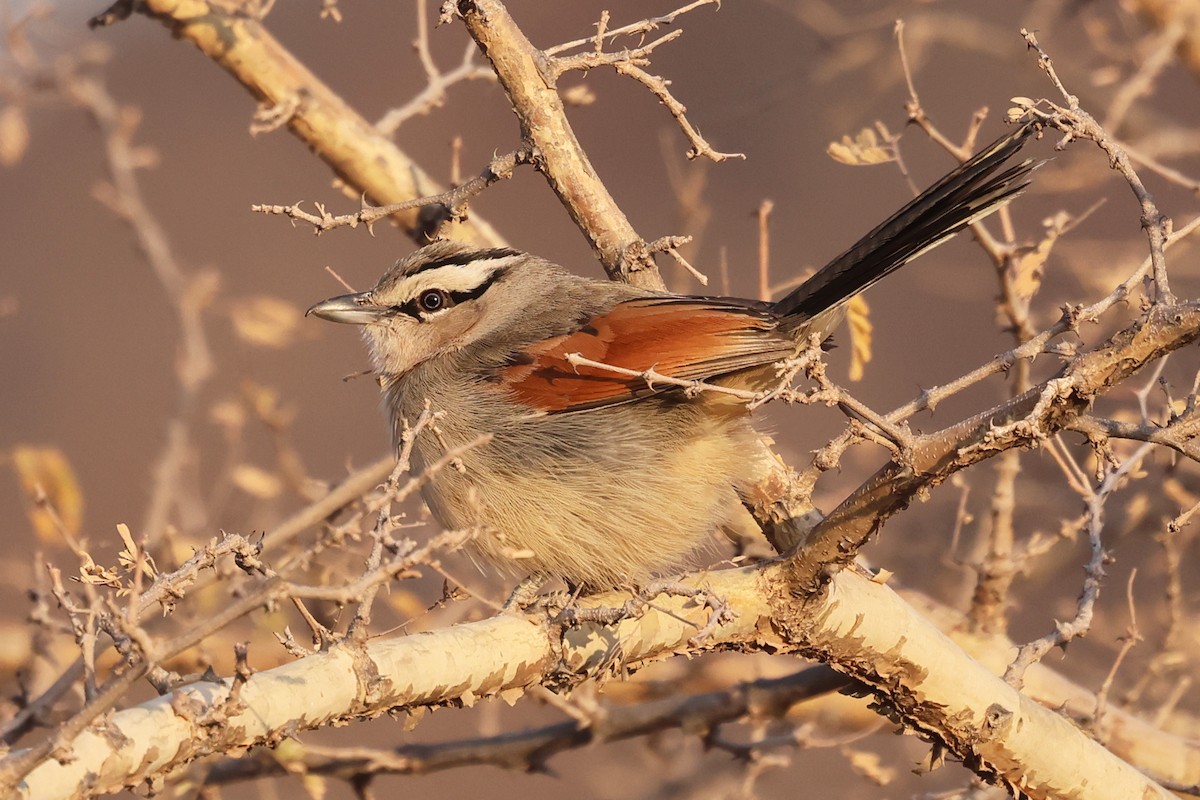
(1093, 525)
(639, 28)
(146, 652)
(437, 209)
(1075, 122)
(169, 588)
(528, 76)
(531, 749)
(1026, 417)
(357, 152)
(1028, 422)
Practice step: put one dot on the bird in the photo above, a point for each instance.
(591, 472)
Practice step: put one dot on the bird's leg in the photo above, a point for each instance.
(524, 595)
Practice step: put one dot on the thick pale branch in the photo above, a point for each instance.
(358, 152)
(530, 749)
(354, 487)
(859, 626)
(529, 80)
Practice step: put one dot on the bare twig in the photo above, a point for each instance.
(353, 148)
(1128, 641)
(436, 82)
(1076, 122)
(633, 29)
(450, 205)
(1094, 573)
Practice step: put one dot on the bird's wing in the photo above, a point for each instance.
(687, 338)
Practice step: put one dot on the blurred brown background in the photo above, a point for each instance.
(87, 342)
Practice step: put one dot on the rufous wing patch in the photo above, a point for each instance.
(681, 337)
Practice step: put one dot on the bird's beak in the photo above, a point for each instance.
(354, 309)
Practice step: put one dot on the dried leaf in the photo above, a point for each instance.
(95, 575)
(406, 603)
(264, 402)
(1031, 267)
(133, 556)
(14, 135)
(229, 414)
(870, 766)
(579, 95)
(257, 482)
(289, 751)
(16, 647)
(266, 321)
(46, 475)
(861, 151)
(859, 321)
(514, 693)
(413, 717)
(315, 785)
(126, 537)
(202, 289)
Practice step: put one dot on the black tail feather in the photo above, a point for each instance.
(966, 194)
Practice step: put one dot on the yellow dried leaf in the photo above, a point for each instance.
(266, 321)
(265, 404)
(407, 604)
(1031, 266)
(1136, 507)
(202, 289)
(515, 693)
(263, 399)
(412, 717)
(288, 749)
(861, 151)
(16, 647)
(1027, 277)
(133, 556)
(257, 482)
(44, 472)
(315, 785)
(228, 414)
(126, 537)
(14, 135)
(859, 321)
(92, 573)
(579, 95)
(870, 766)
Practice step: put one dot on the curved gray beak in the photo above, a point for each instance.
(354, 309)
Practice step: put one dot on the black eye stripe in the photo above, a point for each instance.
(415, 309)
(473, 294)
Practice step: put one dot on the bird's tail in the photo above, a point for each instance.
(970, 192)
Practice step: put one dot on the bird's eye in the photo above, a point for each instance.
(432, 299)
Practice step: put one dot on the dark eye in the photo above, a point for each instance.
(432, 299)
